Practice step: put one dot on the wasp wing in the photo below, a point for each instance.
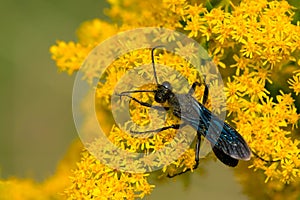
(228, 145)
(224, 158)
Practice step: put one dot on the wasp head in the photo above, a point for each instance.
(163, 92)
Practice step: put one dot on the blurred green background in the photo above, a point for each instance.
(36, 123)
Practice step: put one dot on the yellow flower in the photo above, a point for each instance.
(94, 180)
(194, 25)
(69, 56)
(252, 44)
(295, 84)
(95, 31)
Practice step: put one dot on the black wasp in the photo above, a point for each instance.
(228, 146)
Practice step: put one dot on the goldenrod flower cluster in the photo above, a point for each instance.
(255, 45)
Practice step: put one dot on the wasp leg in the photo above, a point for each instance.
(173, 126)
(205, 96)
(206, 91)
(197, 151)
(160, 108)
(192, 89)
(268, 161)
(134, 91)
(197, 154)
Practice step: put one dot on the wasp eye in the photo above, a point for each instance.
(167, 85)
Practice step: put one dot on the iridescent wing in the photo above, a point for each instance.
(228, 145)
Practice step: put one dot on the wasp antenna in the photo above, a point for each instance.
(153, 63)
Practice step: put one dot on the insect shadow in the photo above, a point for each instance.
(227, 144)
